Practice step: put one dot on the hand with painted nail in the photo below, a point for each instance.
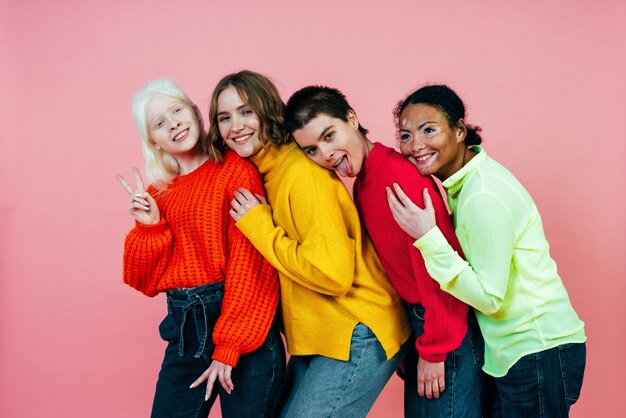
(244, 201)
(217, 370)
(142, 205)
(414, 220)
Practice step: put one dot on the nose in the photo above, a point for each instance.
(327, 152)
(174, 124)
(237, 125)
(417, 144)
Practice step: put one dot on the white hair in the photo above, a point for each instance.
(161, 167)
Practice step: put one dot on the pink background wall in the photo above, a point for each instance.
(545, 79)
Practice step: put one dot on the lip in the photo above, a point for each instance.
(423, 158)
(241, 139)
(182, 135)
(336, 163)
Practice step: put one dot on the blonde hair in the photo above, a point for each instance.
(161, 167)
(258, 92)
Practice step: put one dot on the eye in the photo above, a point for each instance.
(223, 119)
(177, 109)
(247, 112)
(159, 124)
(329, 136)
(405, 137)
(429, 130)
(311, 151)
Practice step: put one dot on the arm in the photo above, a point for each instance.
(489, 233)
(148, 246)
(322, 258)
(250, 297)
(147, 250)
(490, 239)
(445, 317)
(251, 288)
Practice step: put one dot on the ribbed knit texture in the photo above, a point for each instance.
(330, 276)
(445, 319)
(197, 243)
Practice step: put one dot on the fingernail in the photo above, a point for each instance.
(206, 397)
(191, 386)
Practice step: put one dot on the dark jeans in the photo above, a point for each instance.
(543, 384)
(188, 327)
(465, 381)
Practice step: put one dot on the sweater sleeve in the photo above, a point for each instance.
(445, 317)
(322, 257)
(251, 286)
(489, 237)
(147, 251)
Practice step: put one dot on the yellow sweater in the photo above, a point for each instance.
(330, 276)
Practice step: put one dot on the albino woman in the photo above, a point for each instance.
(221, 293)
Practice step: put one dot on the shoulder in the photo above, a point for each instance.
(395, 167)
(301, 169)
(237, 168)
(494, 180)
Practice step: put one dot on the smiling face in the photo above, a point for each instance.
(173, 125)
(238, 124)
(334, 144)
(430, 142)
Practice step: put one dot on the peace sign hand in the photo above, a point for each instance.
(142, 206)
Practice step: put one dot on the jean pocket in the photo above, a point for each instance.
(167, 330)
(572, 359)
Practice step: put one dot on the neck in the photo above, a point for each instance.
(464, 156)
(187, 164)
(368, 146)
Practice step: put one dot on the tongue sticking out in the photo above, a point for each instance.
(344, 168)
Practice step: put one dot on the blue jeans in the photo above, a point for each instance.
(465, 381)
(187, 328)
(318, 386)
(543, 384)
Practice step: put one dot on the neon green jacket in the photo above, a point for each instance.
(509, 277)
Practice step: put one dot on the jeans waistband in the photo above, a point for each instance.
(186, 299)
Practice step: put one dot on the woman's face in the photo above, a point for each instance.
(173, 125)
(333, 143)
(429, 142)
(237, 123)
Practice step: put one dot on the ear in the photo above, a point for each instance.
(198, 113)
(460, 130)
(200, 120)
(352, 119)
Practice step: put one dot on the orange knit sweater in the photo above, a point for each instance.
(197, 243)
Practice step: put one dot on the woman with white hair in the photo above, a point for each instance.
(221, 293)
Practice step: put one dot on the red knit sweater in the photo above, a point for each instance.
(197, 242)
(445, 319)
